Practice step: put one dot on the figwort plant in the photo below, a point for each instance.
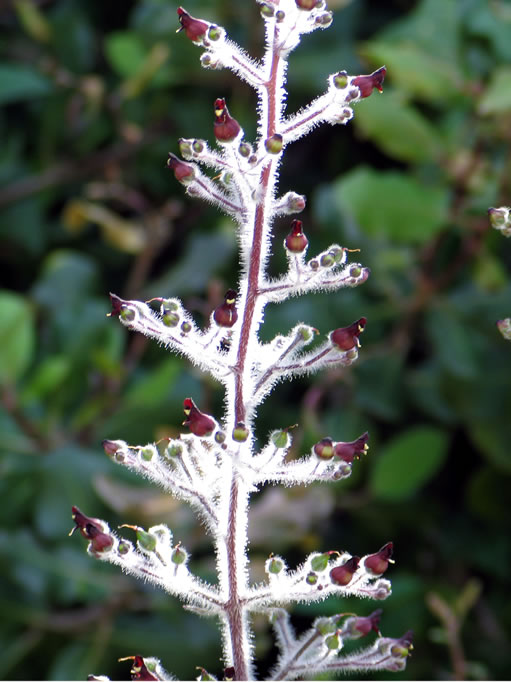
(214, 466)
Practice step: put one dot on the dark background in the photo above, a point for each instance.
(94, 95)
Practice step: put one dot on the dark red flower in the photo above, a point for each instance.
(226, 128)
(195, 29)
(296, 241)
(92, 530)
(362, 626)
(225, 315)
(199, 423)
(346, 338)
(379, 562)
(139, 670)
(348, 451)
(183, 172)
(342, 575)
(373, 80)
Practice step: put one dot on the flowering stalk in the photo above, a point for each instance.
(214, 465)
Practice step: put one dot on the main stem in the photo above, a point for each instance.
(236, 538)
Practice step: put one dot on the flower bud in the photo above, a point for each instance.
(195, 29)
(198, 146)
(179, 555)
(226, 315)
(140, 669)
(346, 338)
(185, 148)
(313, 264)
(359, 626)
(311, 578)
(348, 451)
(225, 127)
(111, 447)
(274, 144)
(220, 437)
(377, 564)
(146, 541)
(306, 5)
(267, 11)
(229, 673)
(340, 80)
(333, 642)
(324, 449)
(199, 423)
(183, 172)
(121, 309)
(240, 433)
(325, 626)
(280, 16)
(498, 217)
(296, 241)
(245, 149)
(280, 439)
(173, 450)
(366, 83)
(327, 260)
(324, 20)
(274, 565)
(92, 530)
(342, 575)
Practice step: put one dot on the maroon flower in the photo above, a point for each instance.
(139, 670)
(342, 575)
(346, 338)
(195, 29)
(296, 241)
(92, 530)
(199, 423)
(307, 5)
(225, 315)
(348, 451)
(362, 626)
(183, 172)
(226, 128)
(379, 562)
(366, 83)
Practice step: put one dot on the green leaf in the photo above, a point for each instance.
(17, 336)
(392, 204)
(408, 462)
(398, 128)
(125, 52)
(415, 71)
(19, 83)
(497, 97)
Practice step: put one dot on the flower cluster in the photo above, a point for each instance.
(214, 465)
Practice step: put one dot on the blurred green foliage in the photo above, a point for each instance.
(93, 97)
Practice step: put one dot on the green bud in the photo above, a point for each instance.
(126, 314)
(274, 144)
(313, 264)
(240, 433)
(185, 148)
(220, 437)
(174, 450)
(186, 327)
(147, 453)
(267, 11)
(215, 32)
(311, 578)
(327, 260)
(198, 146)
(146, 540)
(341, 80)
(332, 641)
(280, 16)
(170, 319)
(275, 565)
(325, 626)
(124, 547)
(337, 253)
(179, 555)
(245, 149)
(355, 271)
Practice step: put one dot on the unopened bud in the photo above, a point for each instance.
(341, 80)
(200, 424)
(183, 172)
(325, 626)
(324, 449)
(240, 433)
(342, 575)
(366, 83)
(186, 327)
(245, 149)
(280, 16)
(280, 439)
(111, 447)
(267, 11)
(311, 578)
(324, 20)
(226, 315)
(146, 541)
(346, 338)
(274, 144)
(274, 565)
(296, 241)
(327, 260)
(359, 626)
(332, 642)
(225, 127)
(306, 5)
(403, 646)
(185, 148)
(220, 437)
(376, 564)
(320, 561)
(179, 555)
